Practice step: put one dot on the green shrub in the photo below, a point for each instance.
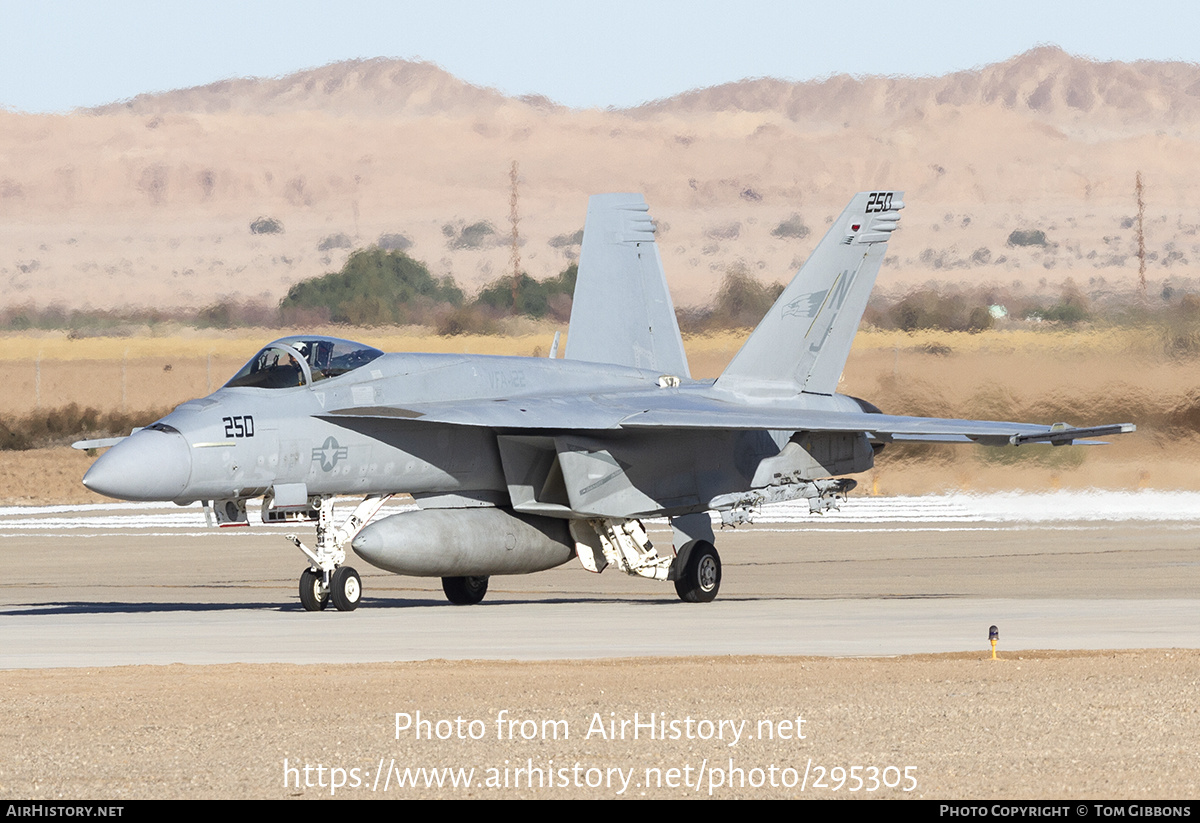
(266, 225)
(475, 236)
(930, 308)
(375, 287)
(1030, 237)
(1066, 313)
(335, 241)
(394, 242)
(741, 302)
(535, 298)
(562, 241)
(791, 228)
(65, 424)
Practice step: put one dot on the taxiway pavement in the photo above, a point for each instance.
(147, 584)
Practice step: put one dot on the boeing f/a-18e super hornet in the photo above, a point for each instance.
(519, 464)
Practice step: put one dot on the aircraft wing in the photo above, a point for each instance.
(679, 411)
(880, 427)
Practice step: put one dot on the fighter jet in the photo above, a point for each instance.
(521, 464)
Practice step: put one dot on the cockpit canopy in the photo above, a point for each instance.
(302, 360)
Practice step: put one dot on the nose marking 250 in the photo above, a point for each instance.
(239, 426)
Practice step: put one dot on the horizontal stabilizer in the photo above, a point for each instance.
(1062, 434)
(102, 443)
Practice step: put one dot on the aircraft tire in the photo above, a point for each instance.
(464, 591)
(311, 596)
(701, 577)
(345, 589)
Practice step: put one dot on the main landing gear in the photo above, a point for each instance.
(464, 591)
(326, 580)
(695, 568)
(699, 576)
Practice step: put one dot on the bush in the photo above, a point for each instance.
(741, 302)
(563, 241)
(335, 241)
(792, 228)
(472, 319)
(1071, 308)
(394, 242)
(1068, 314)
(727, 231)
(375, 287)
(535, 298)
(228, 314)
(266, 225)
(50, 427)
(475, 236)
(981, 256)
(1032, 237)
(980, 320)
(929, 308)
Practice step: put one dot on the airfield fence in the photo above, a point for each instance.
(108, 384)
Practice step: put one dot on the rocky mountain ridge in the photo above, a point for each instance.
(1046, 83)
(152, 201)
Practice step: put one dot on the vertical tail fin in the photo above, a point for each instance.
(622, 311)
(803, 342)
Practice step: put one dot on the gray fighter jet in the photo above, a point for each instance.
(519, 464)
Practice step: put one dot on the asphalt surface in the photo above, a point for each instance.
(144, 584)
(93, 590)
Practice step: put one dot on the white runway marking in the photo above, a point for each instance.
(951, 512)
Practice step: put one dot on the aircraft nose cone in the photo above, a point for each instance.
(150, 465)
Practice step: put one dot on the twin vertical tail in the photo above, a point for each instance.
(803, 342)
(623, 314)
(622, 311)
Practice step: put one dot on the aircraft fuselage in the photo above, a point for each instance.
(245, 442)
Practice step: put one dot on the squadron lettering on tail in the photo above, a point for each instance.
(519, 464)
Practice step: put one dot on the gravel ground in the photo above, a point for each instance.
(1118, 725)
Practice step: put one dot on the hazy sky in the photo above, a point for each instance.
(58, 55)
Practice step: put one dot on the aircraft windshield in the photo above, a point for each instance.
(294, 361)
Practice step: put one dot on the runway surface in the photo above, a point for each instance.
(149, 584)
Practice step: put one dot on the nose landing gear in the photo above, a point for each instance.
(326, 580)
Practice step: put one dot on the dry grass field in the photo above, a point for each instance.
(1085, 377)
(951, 369)
(48, 370)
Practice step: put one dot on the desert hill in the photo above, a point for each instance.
(349, 88)
(149, 202)
(1045, 85)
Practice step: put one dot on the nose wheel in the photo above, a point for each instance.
(344, 590)
(326, 580)
(314, 594)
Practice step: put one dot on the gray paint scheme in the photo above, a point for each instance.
(599, 434)
(622, 312)
(474, 542)
(804, 340)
